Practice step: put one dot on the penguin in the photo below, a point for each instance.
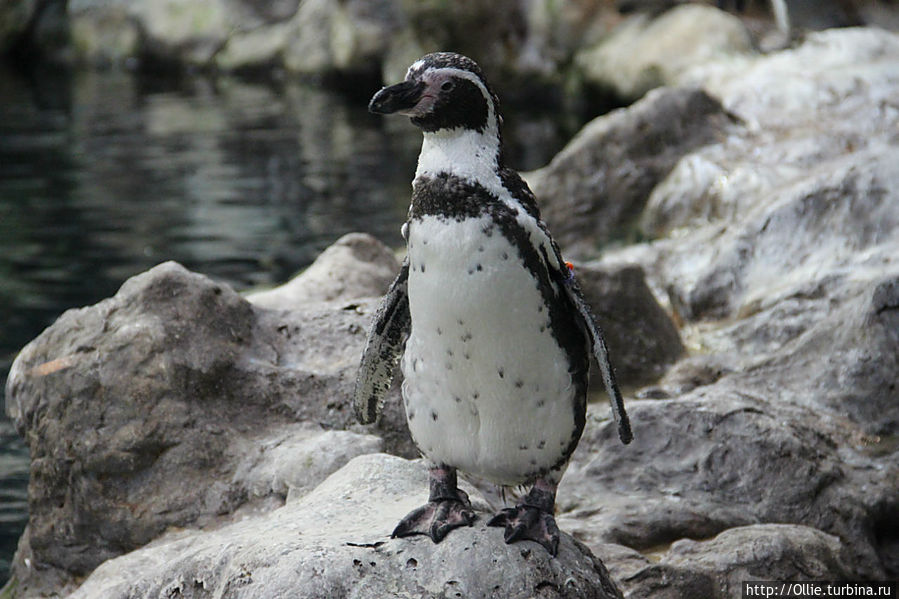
(485, 318)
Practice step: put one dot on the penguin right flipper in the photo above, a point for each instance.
(383, 349)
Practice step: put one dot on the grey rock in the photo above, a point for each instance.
(326, 37)
(334, 542)
(175, 403)
(596, 187)
(643, 340)
(355, 266)
(329, 36)
(776, 251)
(646, 51)
(116, 31)
(717, 567)
(839, 217)
(318, 36)
(845, 71)
(723, 457)
(762, 551)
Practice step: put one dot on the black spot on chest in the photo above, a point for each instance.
(449, 197)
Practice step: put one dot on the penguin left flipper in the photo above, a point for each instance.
(601, 353)
(383, 349)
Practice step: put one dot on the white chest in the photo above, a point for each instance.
(487, 387)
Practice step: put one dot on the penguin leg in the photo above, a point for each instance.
(532, 518)
(447, 508)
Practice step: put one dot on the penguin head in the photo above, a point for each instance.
(442, 91)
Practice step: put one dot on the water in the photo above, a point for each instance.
(106, 174)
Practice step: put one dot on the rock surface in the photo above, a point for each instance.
(334, 542)
(716, 568)
(597, 186)
(645, 51)
(776, 248)
(328, 37)
(174, 403)
(354, 266)
(178, 403)
(643, 340)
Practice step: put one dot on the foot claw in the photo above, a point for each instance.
(435, 519)
(530, 523)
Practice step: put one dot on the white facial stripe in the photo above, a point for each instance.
(467, 154)
(416, 66)
(454, 72)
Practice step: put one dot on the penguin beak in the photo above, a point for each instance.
(402, 98)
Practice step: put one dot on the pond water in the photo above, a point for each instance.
(106, 174)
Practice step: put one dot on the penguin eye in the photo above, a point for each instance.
(447, 85)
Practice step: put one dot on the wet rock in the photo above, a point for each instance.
(334, 542)
(647, 51)
(174, 403)
(356, 265)
(597, 186)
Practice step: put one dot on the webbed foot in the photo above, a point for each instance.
(532, 519)
(447, 508)
(435, 519)
(530, 523)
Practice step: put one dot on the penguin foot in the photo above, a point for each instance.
(530, 523)
(447, 508)
(436, 518)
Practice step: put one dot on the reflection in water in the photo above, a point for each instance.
(104, 175)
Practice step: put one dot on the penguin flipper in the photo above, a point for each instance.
(601, 353)
(383, 349)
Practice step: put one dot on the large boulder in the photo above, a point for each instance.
(776, 250)
(354, 266)
(334, 542)
(642, 338)
(594, 190)
(726, 456)
(647, 51)
(716, 568)
(175, 403)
